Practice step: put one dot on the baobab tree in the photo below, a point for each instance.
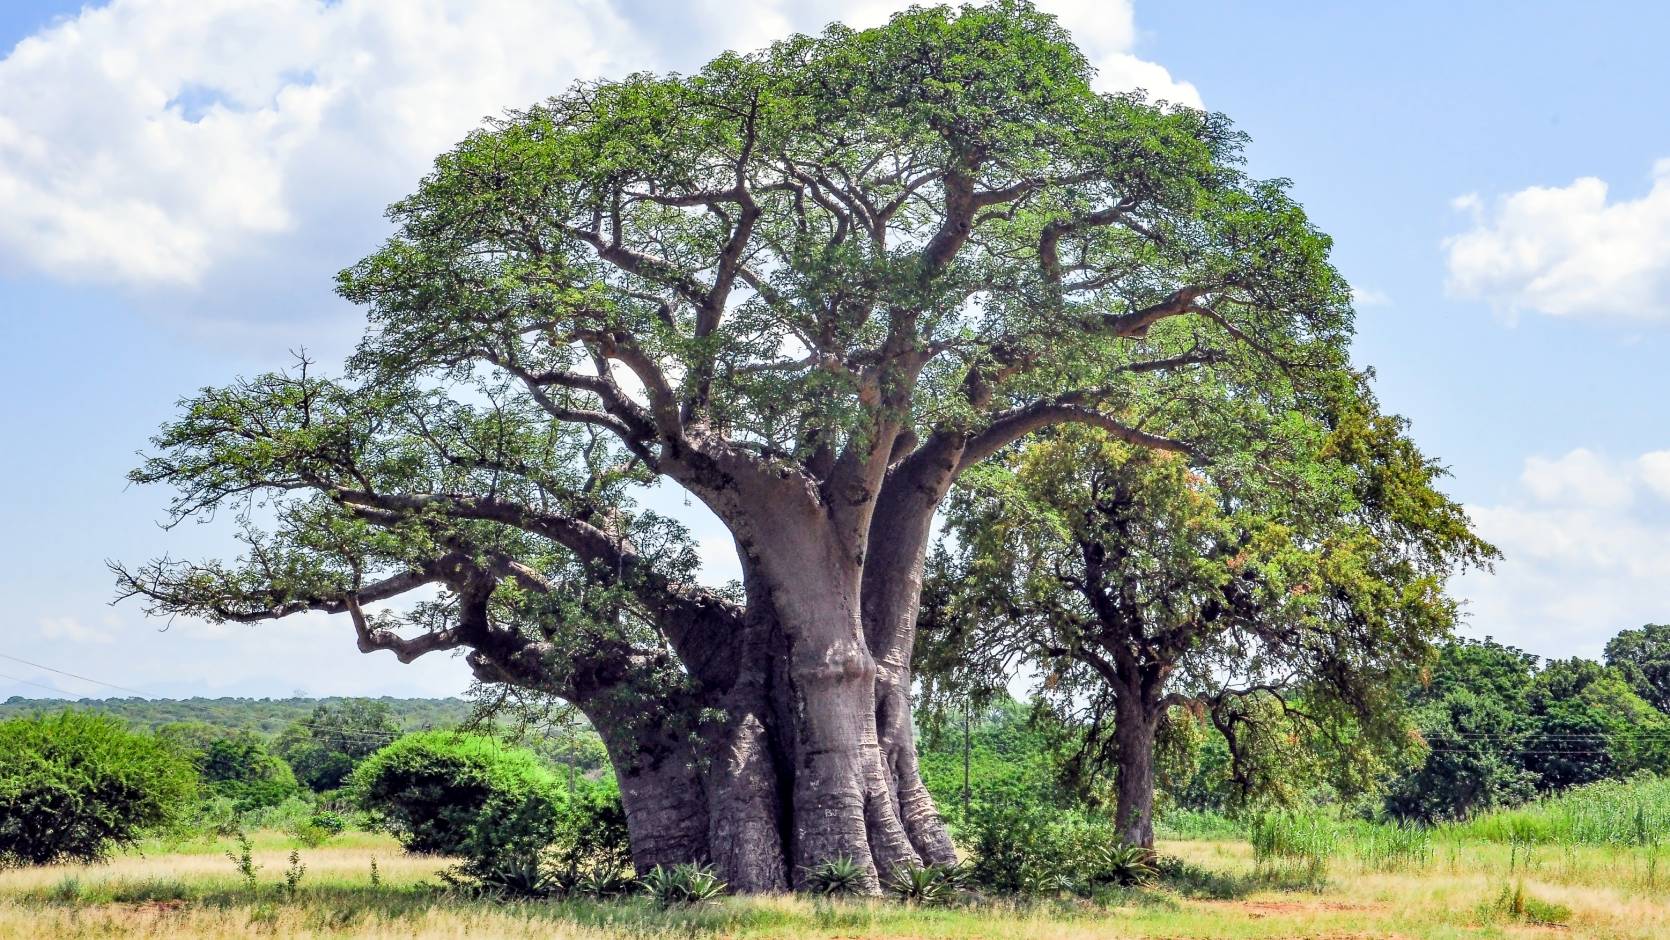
(809, 286)
(1303, 593)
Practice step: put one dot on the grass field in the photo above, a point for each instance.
(1457, 887)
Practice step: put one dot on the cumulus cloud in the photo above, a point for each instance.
(232, 150)
(72, 630)
(152, 142)
(1567, 251)
(1586, 546)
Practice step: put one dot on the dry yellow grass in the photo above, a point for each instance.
(193, 892)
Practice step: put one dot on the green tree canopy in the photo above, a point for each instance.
(810, 286)
(1643, 656)
(324, 748)
(1133, 582)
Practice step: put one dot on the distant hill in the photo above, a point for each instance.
(265, 715)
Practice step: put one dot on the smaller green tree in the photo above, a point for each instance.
(243, 769)
(76, 784)
(1590, 725)
(1298, 587)
(1473, 761)
(325, 748)
(1643, 656)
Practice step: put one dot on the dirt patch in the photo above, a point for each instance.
(1267, 908)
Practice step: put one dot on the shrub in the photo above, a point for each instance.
(835, 877)
(75, 784)
(1125, 865)
(1030, 848)
(449, 793)
(603, 883)
(926, 884)
(1514, 904)
(591, 835)
(317, 829)
(506, 875)
(683, 884)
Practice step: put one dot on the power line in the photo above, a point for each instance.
(38, 685)
(119, 688)
(360, 733)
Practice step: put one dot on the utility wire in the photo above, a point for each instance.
(119, 688)
(360, 733)
(39, 685)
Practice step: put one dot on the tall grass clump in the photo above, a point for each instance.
(1391, 846)
(1606, 813)
(1289, 845)
(1512, 903)
(1188, 824)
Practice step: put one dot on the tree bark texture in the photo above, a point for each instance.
(805, 750)
(1134, 728)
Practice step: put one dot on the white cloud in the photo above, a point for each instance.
(235, 149)
(1106, 32)
(1369, 297)
(149, 142)
(1567, 251)
(1655, 472)
(72, 630)
(1584, 553)
(1579, 478)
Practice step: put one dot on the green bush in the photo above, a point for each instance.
(76, 784)
(1512, 903)
(451, 793)
(243, 770)
(591, 835)
(926, 885)
(1030, 848)
(317, 829)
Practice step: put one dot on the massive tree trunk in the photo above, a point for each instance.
(843, 797)
(659, 771)
(746, 764)
(771, 741)
(899, 535)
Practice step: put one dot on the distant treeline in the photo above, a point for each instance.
(266, 716)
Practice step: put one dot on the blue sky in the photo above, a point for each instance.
(180, 178)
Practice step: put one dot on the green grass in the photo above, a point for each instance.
(1587, 865)
(1611, 812)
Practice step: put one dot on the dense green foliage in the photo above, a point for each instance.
(243, 769)
(1643, 656)
(518, 827)
(1296, 595)
(326, 747)
(75, 785)
(1499, 725)
(443, 792)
